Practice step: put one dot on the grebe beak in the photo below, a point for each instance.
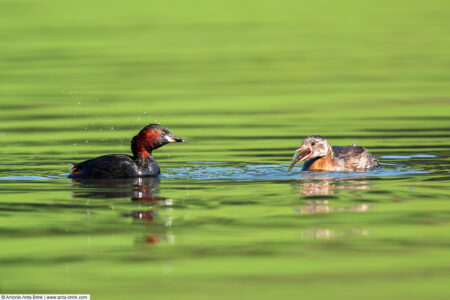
(300, 154)
(173, 139)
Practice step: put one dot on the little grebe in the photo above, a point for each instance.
(321, 156)
(140, 164)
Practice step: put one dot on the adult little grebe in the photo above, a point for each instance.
(140, 164)
(323, 157)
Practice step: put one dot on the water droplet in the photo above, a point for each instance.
(167, 270)
(74, 144)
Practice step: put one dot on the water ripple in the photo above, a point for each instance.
(274, 172)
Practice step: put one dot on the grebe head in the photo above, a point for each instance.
(150, 138)
(312, 147)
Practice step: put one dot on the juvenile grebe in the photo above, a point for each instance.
(321, 156)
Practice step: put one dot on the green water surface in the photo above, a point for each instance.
(242, 82)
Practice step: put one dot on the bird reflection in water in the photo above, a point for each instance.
(318, 193)
(324, 186)
(327, 233)
(144, 190)
(327, 186)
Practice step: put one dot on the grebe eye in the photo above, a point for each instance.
(313, 143)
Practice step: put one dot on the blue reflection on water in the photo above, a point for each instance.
(245, 172)
(274, 172)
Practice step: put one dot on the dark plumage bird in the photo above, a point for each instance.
(321, 156)
(140, 164)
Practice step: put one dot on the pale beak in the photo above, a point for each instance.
(173, 139)
(302, 153)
